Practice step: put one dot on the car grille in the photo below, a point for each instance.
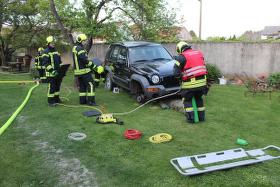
(170, 81)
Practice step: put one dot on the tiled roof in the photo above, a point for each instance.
(271, 30)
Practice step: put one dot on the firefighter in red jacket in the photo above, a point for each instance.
(191, 68)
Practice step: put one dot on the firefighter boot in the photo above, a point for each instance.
(190, 117)
(57, 99)
(91, 101)
(201, 115)
(51, 101)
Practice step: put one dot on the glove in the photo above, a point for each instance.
(54, 73)
(90, 65)
(177, 73)
(100, 69)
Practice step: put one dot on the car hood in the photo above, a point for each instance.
(161, 67)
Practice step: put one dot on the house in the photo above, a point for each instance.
(271, 32)
(183, 34)
(252, 35)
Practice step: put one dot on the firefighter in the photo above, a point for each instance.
(52, 61)
(82, 71)
(98, 77)
(191, 69)
(39, 66)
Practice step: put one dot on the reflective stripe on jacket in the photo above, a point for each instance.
(38, 62)
(194, 83)
(81, 64)
(194, 66)
(51, 61)
(194, 72)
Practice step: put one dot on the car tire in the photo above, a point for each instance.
(138, 93)
(140, 98)
(109, 85)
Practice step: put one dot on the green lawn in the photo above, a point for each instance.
(35, 149)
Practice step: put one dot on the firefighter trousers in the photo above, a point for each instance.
(54, 89)
(86, 89)
(197, 93)
(42, 75)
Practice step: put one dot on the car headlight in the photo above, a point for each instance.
(155, 79)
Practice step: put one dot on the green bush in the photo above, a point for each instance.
(274, 80)
(213, 72)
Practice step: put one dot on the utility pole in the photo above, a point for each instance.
(200, 19)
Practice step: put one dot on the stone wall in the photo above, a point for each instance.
(230, 57)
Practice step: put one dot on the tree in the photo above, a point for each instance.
(27, 23)
(86, 19)
(151, 18)
(232, 38)
(216, 39)
(148, 17)
(193, 35)
(21, 27)
(59, 22)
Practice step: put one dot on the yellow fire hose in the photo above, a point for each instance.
(11, 119)
(17, 82)
(161, 137)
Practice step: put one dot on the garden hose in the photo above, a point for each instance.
(132, 134)
(161, 137)
(157, 98)
(65, 98)
(11, 119)
(80, 106)
(77, 136)
(69, 91)
(112, 114)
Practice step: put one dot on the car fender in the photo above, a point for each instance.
(141, 80)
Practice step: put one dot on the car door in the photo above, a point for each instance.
(122, 65)
(118, 64)
(112, 61)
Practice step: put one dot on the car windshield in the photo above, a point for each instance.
(148, 53)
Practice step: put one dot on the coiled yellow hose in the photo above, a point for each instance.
(161, 137)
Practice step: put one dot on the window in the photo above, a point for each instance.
(122, 54)
(114, 54)
(148, 53)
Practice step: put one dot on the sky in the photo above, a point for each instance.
(228, 17)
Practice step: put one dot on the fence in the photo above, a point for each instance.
(230, 57)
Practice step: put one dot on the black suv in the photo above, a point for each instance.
(143, 68)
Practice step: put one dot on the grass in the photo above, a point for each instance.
(35, 150)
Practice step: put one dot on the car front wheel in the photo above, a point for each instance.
(140, 98)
